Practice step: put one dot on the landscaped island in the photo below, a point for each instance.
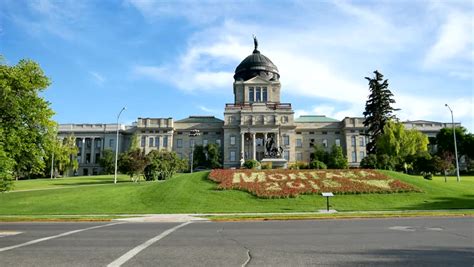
(291, 183)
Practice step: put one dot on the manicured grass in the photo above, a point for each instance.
(194, 193)
(47, 183)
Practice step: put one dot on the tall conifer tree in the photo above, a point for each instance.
(378, 109)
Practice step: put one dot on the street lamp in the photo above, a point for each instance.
(116, 145)
(455, 145)
(193, 133)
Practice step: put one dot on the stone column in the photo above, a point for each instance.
(277, 137)
(83, 150)
(254, 147)
(92, 150)
(265, 137)
(242, 145)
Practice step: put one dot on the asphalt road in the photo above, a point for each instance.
(361, 242)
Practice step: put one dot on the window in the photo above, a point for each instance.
(88, 157)
(325, 143)
(311, 132)
(361, 155)
(354, 156)
(232, 156)
(251, 94)
(264, 94)
(286, 140)
(150, 141)
(325, 132)
(299, 143)
(337, 132)
(286, 155)
(362, 141)
(179, 143)
(338, 142)
(191, 143)
(299, 156)
(165, 141)
(180, 133)
(218, 142)
(298, 132)
(258, 97)
(353, 140)
(97, 158)
(180, 155)
(98, 143)
(143, 142)
(111, 142)
(205, 133)
(157, 141)
(232, 140)
(204, 142)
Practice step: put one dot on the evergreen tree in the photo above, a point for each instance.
(378, 109)
(337, 159)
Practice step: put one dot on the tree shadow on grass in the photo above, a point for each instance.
(461, 202)
(429, 256)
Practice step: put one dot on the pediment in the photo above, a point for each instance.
(257, 80)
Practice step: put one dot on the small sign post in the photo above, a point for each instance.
(327, 195)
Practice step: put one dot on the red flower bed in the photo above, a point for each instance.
(291, 183)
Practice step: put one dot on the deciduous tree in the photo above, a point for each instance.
(26, 128)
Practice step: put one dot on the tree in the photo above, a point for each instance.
(132, 163)
(400, 144)
(320, 154)
(337, 160)
(208, 156)
(6, 169)
(199, 156)
(26, 128)
(65, 153)
(214, 156)
(107, 161)
(163, 165)
(444, 162)
(378, 109)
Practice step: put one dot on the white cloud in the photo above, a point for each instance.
(100, 79)
(454, 41)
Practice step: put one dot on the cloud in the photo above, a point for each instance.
(100, 79)
(454, 41)
(327, 62)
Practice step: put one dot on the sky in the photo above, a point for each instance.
(177, 58)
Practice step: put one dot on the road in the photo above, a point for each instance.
(363, 242)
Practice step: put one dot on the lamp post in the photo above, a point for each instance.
(455, 145)
(193, 133)
(116, 145)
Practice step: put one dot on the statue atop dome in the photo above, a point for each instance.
(255, 43)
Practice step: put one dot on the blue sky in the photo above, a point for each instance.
(177, 58)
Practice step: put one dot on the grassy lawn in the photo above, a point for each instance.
(68, 181)
(193, 193)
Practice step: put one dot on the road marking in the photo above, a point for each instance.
(130, 254)
(9, 233)
(403, 228)
(55, 236)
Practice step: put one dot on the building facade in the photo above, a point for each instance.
(255, 119)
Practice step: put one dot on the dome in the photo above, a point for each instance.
(254, 65)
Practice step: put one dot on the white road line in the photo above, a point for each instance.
(130, 254)
(55, 236)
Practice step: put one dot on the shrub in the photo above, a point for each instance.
(163, 165)
(369, 162)
(266, 166)
(251, 164)
(316, 164)
(428, 176)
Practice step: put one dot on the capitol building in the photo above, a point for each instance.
(255, 116)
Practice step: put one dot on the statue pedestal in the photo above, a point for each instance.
(276, 163)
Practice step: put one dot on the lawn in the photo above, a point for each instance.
(68, 182)
(194, 193)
